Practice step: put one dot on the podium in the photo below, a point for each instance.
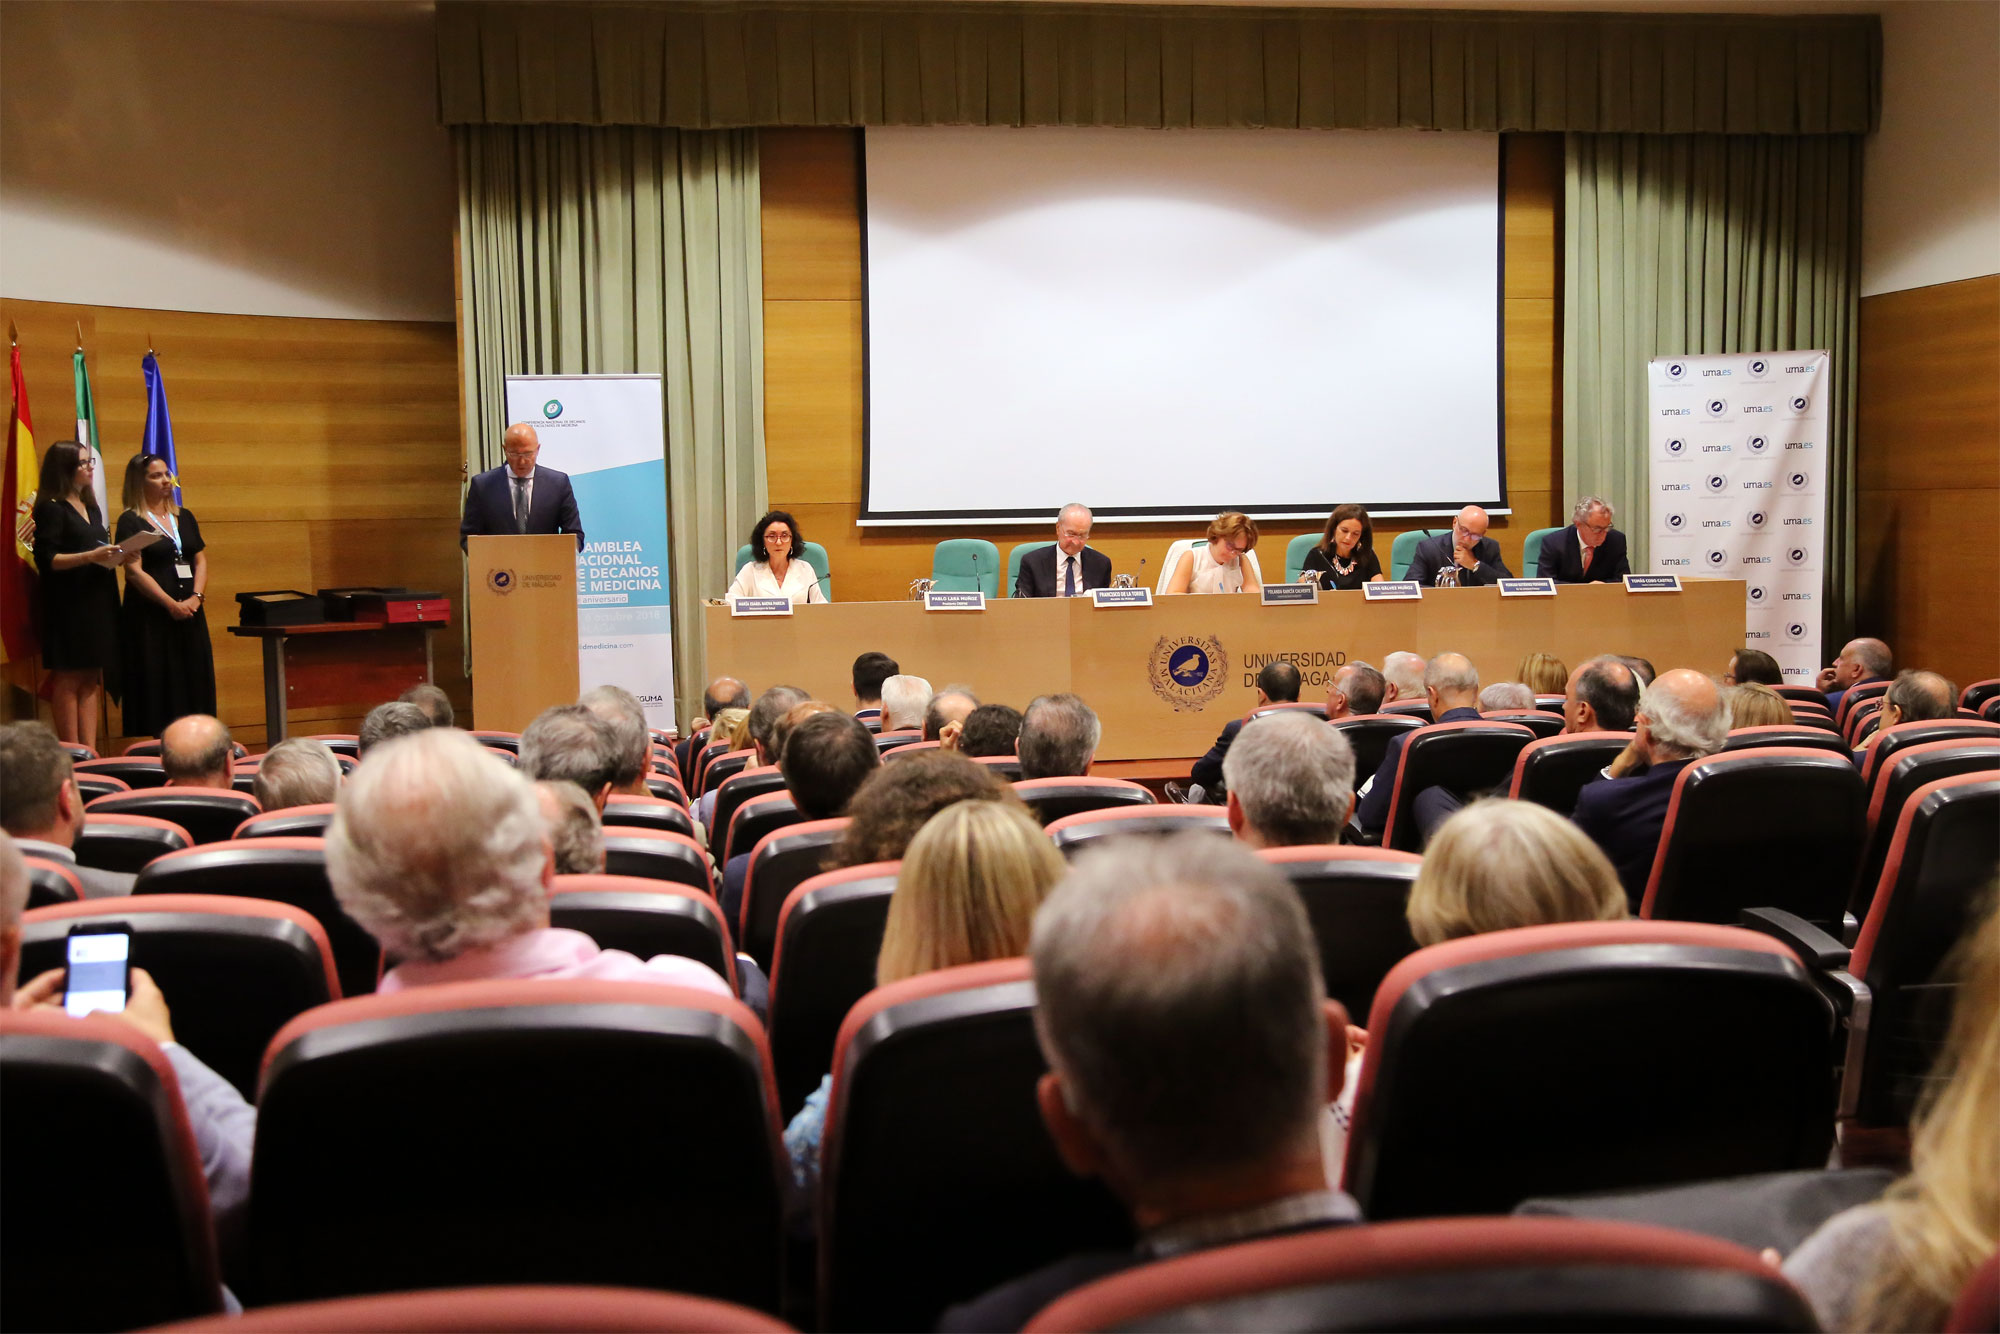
(521, 605)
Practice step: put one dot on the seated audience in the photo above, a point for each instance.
(966, 892)
(1901, 1261)
(576, 832)
(296, 772)
(1357, 689)
(990, 729)
(870, 671)
(1861, 662)
(781, 731)
(385, 722)
(895, 802)
(442, 856)
(42, 807)
(1226, 564)
(1682, 717)
(826, 759)
(952, 705)
(1753, 666)
(1543, 673)
(1913, 697)
(1291, 781)
(772, 705)
(1500, 864)
(433, 701)
(1511, 696)
(1059, 736)
(197, 751)
(1758, 706)
(570, 743)
(1464, 556)
(1602, 695)
(1404, 674)
(1589, 551)
(904, 699)
(1191, 1052)
(1277, 683)
(1451, 683)
(627, 719)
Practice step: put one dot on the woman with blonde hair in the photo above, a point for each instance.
(1225, 565)
(1757, 706)
(1499, 864)
(1543, 673)
(733, 726)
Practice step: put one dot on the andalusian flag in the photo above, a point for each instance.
(86, 428)
(17, 499)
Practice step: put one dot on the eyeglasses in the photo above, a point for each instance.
(1595, 527)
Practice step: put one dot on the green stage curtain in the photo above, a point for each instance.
(1690, 244)
(621, 251)
(855, 62)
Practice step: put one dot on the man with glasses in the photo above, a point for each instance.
(517, 496)
(1069, 568)
(1463, 558)
(1589, 551)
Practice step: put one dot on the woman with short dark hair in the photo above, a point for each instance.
(777, 567)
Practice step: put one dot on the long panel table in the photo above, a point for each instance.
(1166, 678)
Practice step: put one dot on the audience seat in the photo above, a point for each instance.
(1369, 733)
(1909, 769)
(904, 736)
(1052, 798)
(756, 818)
(1085, 829)
(656, 854)
(508, 741)
(1467, 758)
(127, 842)
(1975, 695)
(1779, 827)
(966, 565)
(1582, 1057)
(829, 934)
(1457, 1273)
(1550, 772)
(1777, 734)
(1862, 720)
(907, 749)
(286, 870)
(77, 752)
(340, 743)
(1356, 899)
(1817, 719)
(50, 883)
(243, 778)
(1857, 696)
(1990, 710)
(549, 1131)
(703, 756)
(134, 772)
(1413, 708)
(1539, 721)
(644, 918)
(234, 970)
(779, 863)
(725, 767)
(667, 788)
(1317, 708)
(1802, 695)
(1977, 1309)
(105, 1211)
(1551, 704)
(627, 812)
(520, 1310)
(871, 723)
(209, 814)
(289, 821)
(937, 1178)
(756, 781)
(1009, 766)
(100, 785)
(1904, 735)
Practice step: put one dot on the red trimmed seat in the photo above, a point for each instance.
(905, 749)
(1356, 899)
(234, 970)
(340, 743)
(937, 1177)
(829, 934)
(1862, 719)
(1464, 757)
(780, 862)
(902, 736)
(756, 781)
(657, 855)
(1086, 829)
(667, 787)
(1369, 733)
(1551, 771)
(1975, 695)
(1457, 1273)
(1556, 704)
(1903, 735)
(497, 740)
(1554, 1060)
(523, 1131)
(1802, 695)
(1907, 770)
(308, 821)
(50, 883)
(134, 771)
(127, 842)
(1779, 827)
(1414, 708)
(209, 814)
(1052, 798)
(628, 812)
(725, 767)
(756, 818)
(708, 752)
(1539, 721)
(1316, 709)
(77, 752)
(1008, 766)
(100, 785)
(644, 918)
(243, 777)
(1779, 734)
(94, 1143)
(522, 1310)
(1857, 695)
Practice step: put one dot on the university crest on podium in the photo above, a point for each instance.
(1188, 671)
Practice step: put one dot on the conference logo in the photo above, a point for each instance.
(1755, 520)
(1716, 483)
(500, 581)
(1798, 479)
(1717, 407)
(1757, 595)
(1799, 404)
(1798, 557)
(1675, 449)
(1758, 368)
(552, 409)
(1716, 558)
(1797, 632)
(1674, 523)
(1188, 671)
(1757, 444)
(1677, 371)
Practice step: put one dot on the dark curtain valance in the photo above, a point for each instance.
(843, 62)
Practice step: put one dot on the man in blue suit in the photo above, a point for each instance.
(1589, 551)
(1451, 683)
(1683, 717)
(1463, 558)
(518, 497)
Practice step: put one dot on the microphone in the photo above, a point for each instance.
(977, 585)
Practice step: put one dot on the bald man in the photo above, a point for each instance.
(1463, 558)
(517, 496)
(197, 751)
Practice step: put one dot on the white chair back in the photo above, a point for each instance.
(1172, 559)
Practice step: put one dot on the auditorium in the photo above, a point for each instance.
(996, 665)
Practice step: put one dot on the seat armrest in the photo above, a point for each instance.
(1814, 947)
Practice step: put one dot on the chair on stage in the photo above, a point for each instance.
(1531, 550)
(966, 565)
(1015, 554)
(813, 555)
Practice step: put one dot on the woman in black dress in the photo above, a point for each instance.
(1345, 556)
(169, 668)
(79, 592)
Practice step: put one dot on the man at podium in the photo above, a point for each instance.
(518, 497)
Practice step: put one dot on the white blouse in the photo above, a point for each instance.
(756, 581)
(1210, 577)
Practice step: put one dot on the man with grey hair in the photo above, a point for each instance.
(576, 834)
(1683, 717)
(196, 750)
(1357, 689)
(1914, 697)
(572, 744)
(1191, 1049)
(772, 705)
(442, 855)
(950, 707)
(1506, 695)
(1291, 781)
(296, 772)
(1068, 569)
(433, 701)
(1861, 662)
(1465, 557)
(386, 722)
(41, 805)
(1589, 551)
(1059, 736)
(1451, 684)
(1277, 683)
(904, 699)
(627, 718)
(1404, 673)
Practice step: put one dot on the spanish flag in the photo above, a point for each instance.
(17, 499)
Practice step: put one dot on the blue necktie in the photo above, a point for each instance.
(1069, 576)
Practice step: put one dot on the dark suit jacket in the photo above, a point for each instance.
(1208, 769)
(489, 506)
(1624, 816)
(1372, 812)
(1434, 553)
(1562, 559)
(1038, 573)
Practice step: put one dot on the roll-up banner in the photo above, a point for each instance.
(608, 432)
(1739, 455)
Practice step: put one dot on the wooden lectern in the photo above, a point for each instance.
(521, 603)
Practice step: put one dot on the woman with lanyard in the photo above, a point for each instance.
(168, 665)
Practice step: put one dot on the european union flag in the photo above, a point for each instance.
(159, 437)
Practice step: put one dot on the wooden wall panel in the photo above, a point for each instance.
(813, 332)
(1928, 459)
(316, 453)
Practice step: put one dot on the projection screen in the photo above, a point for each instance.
(1168, 323)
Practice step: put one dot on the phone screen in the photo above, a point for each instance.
(97, 972)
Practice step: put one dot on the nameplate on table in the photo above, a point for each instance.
(780, 606)
(1527, 588)
(972, 601)
(1652, 583)
(1121, 597)
(1284, 595)
(1392, 590)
